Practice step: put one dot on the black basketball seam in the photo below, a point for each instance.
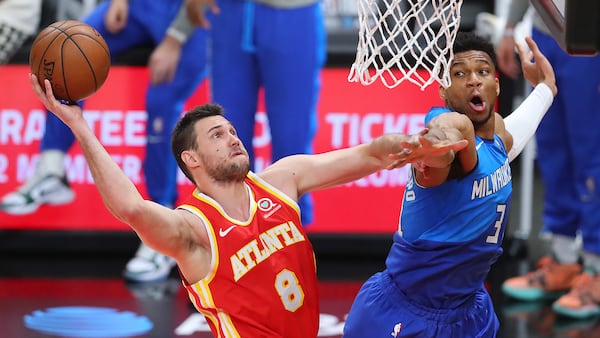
(62, 69)
(69, 37)
(85, 57)
(46, 50)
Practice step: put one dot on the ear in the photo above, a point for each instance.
(497, 87)
(442, 93)
(190, 159)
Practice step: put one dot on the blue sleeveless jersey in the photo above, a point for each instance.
(450, 235)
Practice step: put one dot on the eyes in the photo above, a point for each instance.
(462, 73)
(223, 132)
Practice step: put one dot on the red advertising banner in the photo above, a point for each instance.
(349, 114)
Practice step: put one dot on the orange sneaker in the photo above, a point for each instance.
(583, 301)
(549, 281)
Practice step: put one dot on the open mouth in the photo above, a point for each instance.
(477, 104)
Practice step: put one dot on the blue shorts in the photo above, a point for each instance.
(382, 310)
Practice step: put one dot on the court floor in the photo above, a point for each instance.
(44, 293)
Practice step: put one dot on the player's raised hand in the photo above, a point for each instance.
(536, 67)
(68, 113)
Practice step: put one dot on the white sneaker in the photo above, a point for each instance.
(148, 265)
(38, 190)
(156, 290)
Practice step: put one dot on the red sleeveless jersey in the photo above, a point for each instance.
(262, 281)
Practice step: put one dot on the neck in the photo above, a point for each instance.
(487, 129)
(233, 197)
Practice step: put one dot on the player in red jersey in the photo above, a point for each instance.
(266, 246)
(242, 253)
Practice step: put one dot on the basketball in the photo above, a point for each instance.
(73, 56)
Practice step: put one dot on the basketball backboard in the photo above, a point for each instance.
(575, 24)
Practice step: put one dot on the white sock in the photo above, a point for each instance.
(565, 249)
(51, 162)
(591, 262)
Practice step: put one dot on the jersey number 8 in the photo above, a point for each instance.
(289, 290)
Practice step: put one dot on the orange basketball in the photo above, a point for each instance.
(73, 56)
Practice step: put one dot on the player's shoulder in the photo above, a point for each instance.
(500, 130)
(194, 223)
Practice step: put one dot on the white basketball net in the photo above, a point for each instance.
(399, 37)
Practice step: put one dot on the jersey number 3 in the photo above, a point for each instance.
(289, 290)
(501, 210)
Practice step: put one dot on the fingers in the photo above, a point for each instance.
(404, 154)
(37, 89)
(420, 147)
(535, 51)
(46, 96)
(34, 83)
(522, 54)
(537, 67)
(49, 94)
(532, 46)
(396, 164)
(460, 145)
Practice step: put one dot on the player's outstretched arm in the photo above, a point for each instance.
(299, 174)
(433, 148)
(156, 225)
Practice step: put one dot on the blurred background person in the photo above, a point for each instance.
(275, 45)
(19, 20)
(177, 66)
(568, 159)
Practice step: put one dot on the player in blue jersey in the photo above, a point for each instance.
(177, 66)
(454, 211)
